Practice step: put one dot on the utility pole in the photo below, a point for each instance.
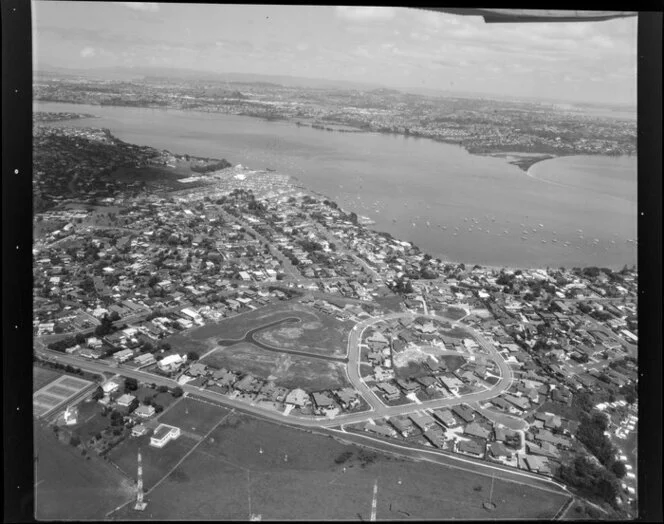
(140, 504)
(374, 502)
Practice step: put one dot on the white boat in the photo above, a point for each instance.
(543, 241)
(541, 225)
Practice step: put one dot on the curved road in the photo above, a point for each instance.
(377, 408)
(380, 410)
(249, 337)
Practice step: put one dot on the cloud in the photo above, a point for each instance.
(88, 52)
(365, 14)
(150, 7)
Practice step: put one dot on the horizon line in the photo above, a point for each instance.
(405, 89)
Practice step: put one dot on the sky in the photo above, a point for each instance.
(396, 47)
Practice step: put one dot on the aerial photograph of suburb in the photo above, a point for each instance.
(333, 263)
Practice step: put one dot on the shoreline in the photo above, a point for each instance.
(524, 161)
(527, 158)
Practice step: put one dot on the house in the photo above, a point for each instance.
(436, 436)
(500, 403)
(382, 431)
(451, 383)
(347, 397)
(445, 417)
(110, 387)
(145, 359)
(163, 435)
(520, 402)
(464, 413)
(471, 447)
(537, 464)
(475, 430)
(497, 450)
(123, 356)
(403, 426)
(144, 411)
(197, 369)
(548, 451)
(322, 400)
(139, 430)
(422, 420)
(550, 420)
(409, 386)
(390, 390)
(171, 363)
(298, 397)
(126, 400)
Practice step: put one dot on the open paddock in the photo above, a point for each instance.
(71, 487)
(316, 332)
(300, 475)
(290, 371)
(194, 416)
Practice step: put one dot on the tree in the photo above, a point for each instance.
(162, 389)
(131, 384)
(618, 468)
(192, 355)
(80, 338)
(115, 316)
(177, 391)
(98, 393)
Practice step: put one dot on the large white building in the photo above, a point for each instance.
(163, 435)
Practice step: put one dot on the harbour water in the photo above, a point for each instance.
(572, 212)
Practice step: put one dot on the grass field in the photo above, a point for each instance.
(317, 333)
(194, 416)
(286, 370)
(301, 476)
(156, 462)
(42, 376)
(70, 487)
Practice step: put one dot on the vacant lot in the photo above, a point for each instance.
(194, 416)
(317, 333)
(290, 371)
(71, 487)
(42, 376)
(301, 475)
(236, 327)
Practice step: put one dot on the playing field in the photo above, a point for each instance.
(259, 468)
(289, 371)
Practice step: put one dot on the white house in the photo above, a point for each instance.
(164, 434)
(171, 362)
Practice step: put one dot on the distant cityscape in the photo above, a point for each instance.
(481, 126)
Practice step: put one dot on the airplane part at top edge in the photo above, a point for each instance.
(496, 16)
